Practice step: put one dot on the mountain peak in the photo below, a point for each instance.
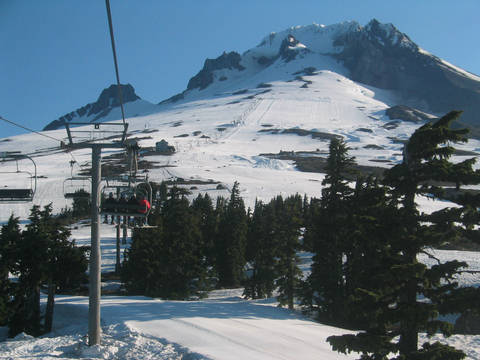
(388, 35)
(107, 101)
(204, 77)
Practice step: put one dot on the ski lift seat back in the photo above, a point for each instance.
(18, 194)
(77, 187)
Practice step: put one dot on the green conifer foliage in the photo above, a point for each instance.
(168, 261)
(261, 252)
(208, 223)
(391, 303)
(9, 236)
(288, 231)
(231, 240)
(328, 235)
(42, 255)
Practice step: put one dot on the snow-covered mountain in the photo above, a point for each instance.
(261, 116)
(377, 55)
(257, 118)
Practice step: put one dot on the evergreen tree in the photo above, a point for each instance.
(328, 235)
(231, 241)
(142, 262)
(208, 223)
(9, 236)
(42, 255)
(168, 261)
(287, 232)
(392, 305)
(261, 252)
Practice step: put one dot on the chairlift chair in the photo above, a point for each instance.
(121, 209)
(77, 187)
(10, 194)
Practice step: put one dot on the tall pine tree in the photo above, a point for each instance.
(261, 252)
(288, 231)
(231, 241)
(10, 235)
(392, 302)
(328, 234)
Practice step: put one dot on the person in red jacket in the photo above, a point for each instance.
(145, 205)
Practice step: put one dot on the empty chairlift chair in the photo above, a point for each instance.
(24, 185)
(77, 187)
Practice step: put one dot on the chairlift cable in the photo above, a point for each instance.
(110, 25)
(25, 128)
(35, 132)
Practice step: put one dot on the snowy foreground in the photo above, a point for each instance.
(223, 326)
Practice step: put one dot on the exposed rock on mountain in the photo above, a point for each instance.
(405, 113)
(381, 56)
(107, 100)
(290, 48)
(204, 78)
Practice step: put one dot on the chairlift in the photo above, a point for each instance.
(11, 194)
(77, 187)
(127, 201)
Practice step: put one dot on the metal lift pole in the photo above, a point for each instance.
(94, 334)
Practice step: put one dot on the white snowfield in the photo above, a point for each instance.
(222, 133)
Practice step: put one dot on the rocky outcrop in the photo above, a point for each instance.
(204, 77)
(406, 113)
(289, 49)
(381, 56)
(107, 101)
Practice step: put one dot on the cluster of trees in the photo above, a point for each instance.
(365, 241)
(197, 246)
(38, 256)
(383, 289)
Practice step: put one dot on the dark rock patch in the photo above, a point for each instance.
(240, 92)
(263, 85)
(288, 50)
(405, 113)
(391, 125)
(302, 132)
(307, 71)
(204, 77)
(365, 130)
(395, 140)
(373, 147)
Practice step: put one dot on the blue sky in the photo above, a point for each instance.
(55, 55)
